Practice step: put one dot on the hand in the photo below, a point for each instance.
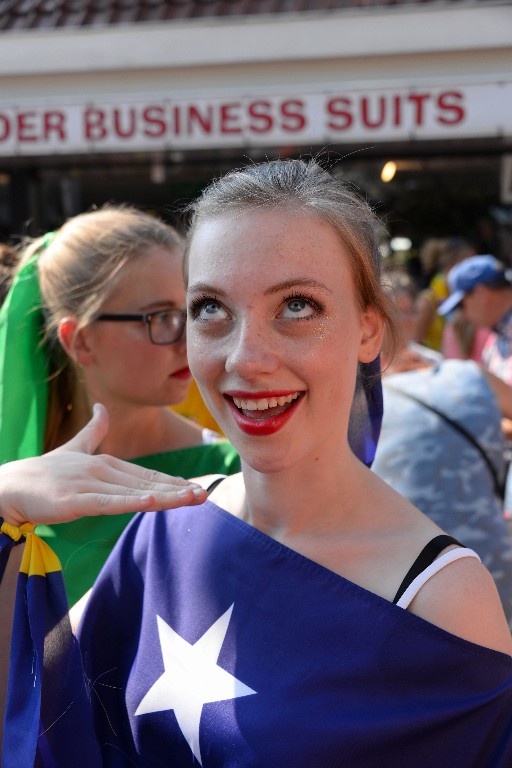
(71, 482)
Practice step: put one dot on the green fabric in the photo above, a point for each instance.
(84, 545)
(23, 368)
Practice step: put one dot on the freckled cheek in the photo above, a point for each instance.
(204, 355)
(333, 354)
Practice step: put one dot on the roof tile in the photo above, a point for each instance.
(17, 15)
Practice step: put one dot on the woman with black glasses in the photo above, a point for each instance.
(97, 314)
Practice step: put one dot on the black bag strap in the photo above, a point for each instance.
(499, 485)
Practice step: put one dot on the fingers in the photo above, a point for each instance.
(114, 503)
(146, 477)
(103, 485)
(90, 437)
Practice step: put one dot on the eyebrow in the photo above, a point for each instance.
(157, 306)
(285, 285)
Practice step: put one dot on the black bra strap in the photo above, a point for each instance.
(215, 483)
(427, 556)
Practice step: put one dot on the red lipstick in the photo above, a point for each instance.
(264, 422)
(183, 373)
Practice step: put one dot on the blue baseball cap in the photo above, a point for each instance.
(473, 271)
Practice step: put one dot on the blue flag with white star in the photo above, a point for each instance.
(207, 643)
(47, 721)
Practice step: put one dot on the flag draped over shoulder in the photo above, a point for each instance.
(47, 720)
(214, 645)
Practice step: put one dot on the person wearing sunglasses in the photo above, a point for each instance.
(96, 313)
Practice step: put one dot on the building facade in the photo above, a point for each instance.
(145, 102)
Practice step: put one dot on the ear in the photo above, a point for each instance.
(372, 331)
(74, 340)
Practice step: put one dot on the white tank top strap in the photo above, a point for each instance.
(441, 562)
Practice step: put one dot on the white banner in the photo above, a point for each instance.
(338, 115)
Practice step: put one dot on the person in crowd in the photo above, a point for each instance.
(279, 622)
(438, 256)
(461, 340)
(441, 444)
(482, 287)
(106, 294)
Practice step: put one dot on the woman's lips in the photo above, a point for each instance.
(183, 373)
(262, 413)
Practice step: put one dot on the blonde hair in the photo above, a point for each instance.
(78, 271)
(304, 186)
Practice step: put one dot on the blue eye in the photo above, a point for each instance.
(299, 308)
(210, 308)
(207, 309)
(297, 305)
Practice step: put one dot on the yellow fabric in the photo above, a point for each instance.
(437, 292)
(38, 559)
(16, 532)
(193, 407)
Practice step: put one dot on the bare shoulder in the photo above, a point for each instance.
(462, 599)
(230, 494)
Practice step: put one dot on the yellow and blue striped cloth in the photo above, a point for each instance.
(47, 720)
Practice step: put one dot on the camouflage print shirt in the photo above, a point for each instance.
(438, 469)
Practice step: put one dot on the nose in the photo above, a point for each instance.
(251, 351)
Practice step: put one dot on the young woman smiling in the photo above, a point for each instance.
(305, 614)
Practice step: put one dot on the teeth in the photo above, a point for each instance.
(263, 403)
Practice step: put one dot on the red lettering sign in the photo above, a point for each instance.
(125, 123)
(294, 119)
(418, 100)
(229, 114)
(94, 124)
(204, 120)
(378, 117)
(154, 122)
(54, 123)
(26, 124)
(450, 104)
(261, 112)
(339, 108)
(5, 127)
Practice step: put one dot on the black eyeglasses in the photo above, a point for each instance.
(164, 327)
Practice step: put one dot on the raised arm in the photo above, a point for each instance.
(71, 482)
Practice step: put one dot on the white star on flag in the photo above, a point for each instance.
(191, 678)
